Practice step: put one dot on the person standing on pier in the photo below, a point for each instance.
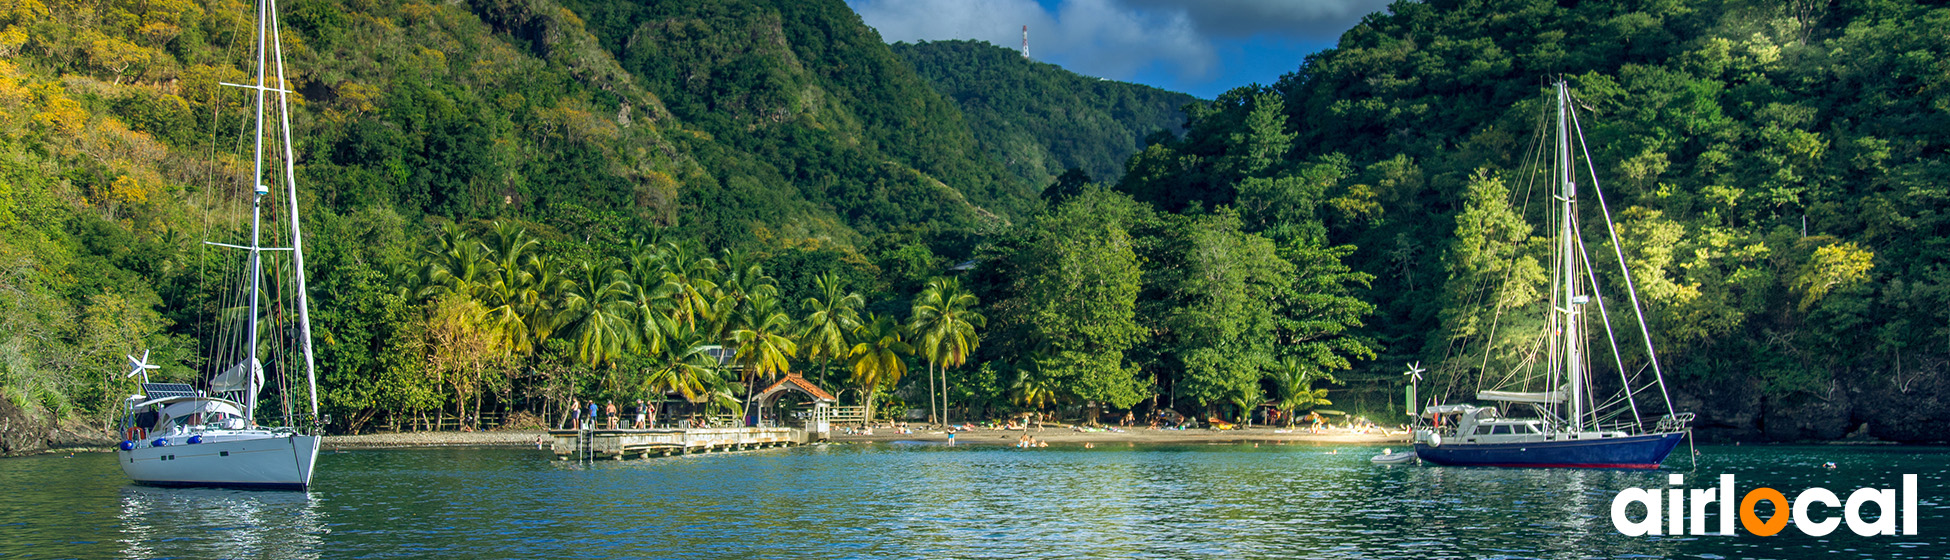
(591, 423)
(575, 416)
(609, 411)
(639, 414)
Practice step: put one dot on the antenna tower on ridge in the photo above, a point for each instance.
(1025, 41)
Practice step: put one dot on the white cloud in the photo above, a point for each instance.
(1298, 19)
(1116, 38)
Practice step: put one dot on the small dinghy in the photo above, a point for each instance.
(1391, 457)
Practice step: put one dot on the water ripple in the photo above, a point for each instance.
(927, 501)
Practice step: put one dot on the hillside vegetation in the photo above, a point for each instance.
(516, 203)
(1778, 171)
(1040, 120)
(734, 124)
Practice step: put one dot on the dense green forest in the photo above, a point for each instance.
(516, 202)
(1040, 120)
(1778, 169)
(812, 148)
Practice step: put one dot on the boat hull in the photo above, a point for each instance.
(268, 462)
(1628, 452)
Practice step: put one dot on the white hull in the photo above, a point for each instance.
(240, 459)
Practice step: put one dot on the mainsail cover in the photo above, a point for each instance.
(233, 379)
(1546, 397)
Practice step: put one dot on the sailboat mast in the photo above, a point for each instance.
(291, 191)
(258, 190)
(1573, 372)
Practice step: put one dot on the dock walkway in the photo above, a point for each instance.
(643, 444)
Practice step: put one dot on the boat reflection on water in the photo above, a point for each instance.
(220, 523)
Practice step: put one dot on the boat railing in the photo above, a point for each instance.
(1674, 422)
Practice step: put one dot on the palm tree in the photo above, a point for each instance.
(543, 298)
(695, 278)
(653, 302)
(596, 312)
(730, 300)
(945, 321)
(1032, 390)
(828, 320)
(763, 347)
(507, 293)
(877, 358)
(684, 366)
(1293, 386)
(454, 264)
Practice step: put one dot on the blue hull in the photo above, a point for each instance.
(1631, 452)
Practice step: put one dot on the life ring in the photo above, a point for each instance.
(135, 433)
(1435, 440)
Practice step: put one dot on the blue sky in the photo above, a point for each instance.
(1201, 47)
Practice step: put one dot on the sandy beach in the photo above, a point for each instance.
(1066, 435)
(1052, 434)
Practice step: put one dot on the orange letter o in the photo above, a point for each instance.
(1752, 522)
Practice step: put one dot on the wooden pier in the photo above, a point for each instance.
(644, 444)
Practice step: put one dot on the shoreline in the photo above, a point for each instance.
(386, 440)
(1065, 435)
(1054, 435)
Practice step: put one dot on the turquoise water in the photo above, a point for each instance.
(933, 501)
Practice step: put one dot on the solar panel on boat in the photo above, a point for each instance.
(166, 390)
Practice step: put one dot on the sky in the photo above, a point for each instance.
(1200, 47)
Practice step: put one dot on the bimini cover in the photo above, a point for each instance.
(186, 408)
(233, 379)
(1546, 397)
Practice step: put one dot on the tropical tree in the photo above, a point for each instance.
(695, 277)
(455, 264)
(654, 302)
(1293, 380)
(1031, 389)
(764, 349)
(829, 318)
(684, 366)
(596, 313)
(509, 292)
(876, 359)
(945, 321)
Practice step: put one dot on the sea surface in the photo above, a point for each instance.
(915, 500)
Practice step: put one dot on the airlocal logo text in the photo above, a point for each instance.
(1682, 504)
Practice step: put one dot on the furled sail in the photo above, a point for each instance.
(233, 379)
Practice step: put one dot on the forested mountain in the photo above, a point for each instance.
(785, 127)
(1040, 120)
(1778, 169)
(512, 203)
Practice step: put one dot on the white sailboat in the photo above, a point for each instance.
(1572, 426)
(177, 435)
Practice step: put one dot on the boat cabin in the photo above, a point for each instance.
(174, 409)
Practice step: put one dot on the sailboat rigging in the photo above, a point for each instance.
(1571, 428)
(178, 435)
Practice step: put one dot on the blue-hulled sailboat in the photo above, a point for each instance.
(1568, 426)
